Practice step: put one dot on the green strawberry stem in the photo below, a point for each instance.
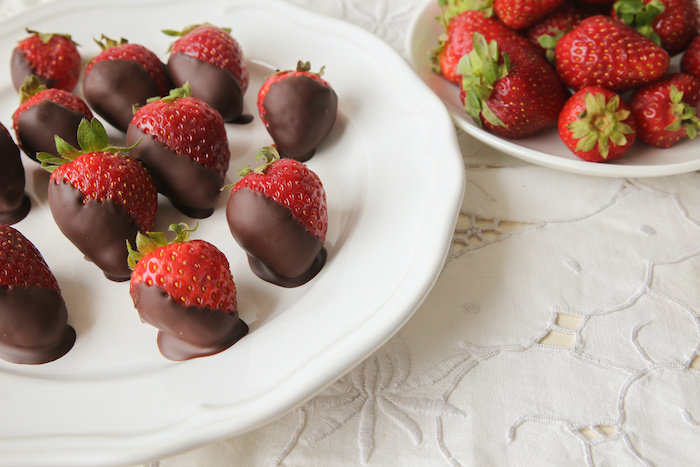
(600, 124)
(452, 8)
(686, 115)
(268, 154)
(106, 43)
(150, 241)
(92, 137)
(640, 16)
(45, 37)
(480, 69)
(30, 88)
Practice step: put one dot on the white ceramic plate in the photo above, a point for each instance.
(394, 179)
(545, 149)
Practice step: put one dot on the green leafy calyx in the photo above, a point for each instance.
(266, 154)
(150, 241)
(600, 124)
(640, 16)
(107, 43)
(30, 88)
(685, 114)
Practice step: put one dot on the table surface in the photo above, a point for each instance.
(564, 328)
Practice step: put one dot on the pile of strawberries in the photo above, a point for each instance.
(599, 70)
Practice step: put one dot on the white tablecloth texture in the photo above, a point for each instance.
(564, 328)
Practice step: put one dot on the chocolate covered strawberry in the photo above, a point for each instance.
(34, 325)
(53, 58)
(666, 111)
(184, 145)
(14, 203)
(185, 289)
(46, 113)
(120, 76)
(100, 199)
(211, 60)
(597, 125)
(278, 214)
(298, 108)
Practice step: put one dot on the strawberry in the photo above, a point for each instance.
(690, 62)
(666, 111)
(33, 315)
(457, 40)
(672, 24)
(99, 198)
(511, 90)
(278, 214)
(185, 289)
(298, 109)
(212, 61)
(604, 52)
(184, 145)
(545, 33)
(43, 114)
(521, 14)
(14, 203)
(120, 76)
(53, 58)
(597, 125)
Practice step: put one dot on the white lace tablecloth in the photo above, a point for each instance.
(563, 330)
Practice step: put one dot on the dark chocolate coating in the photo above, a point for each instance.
(300, 113)
(33, 325)
(39, 124)
(186, 332)
(113, 87)
(215, 86)
(99, 230)
(191, 188)
(279, 248)
(14, 203)
(21, 67)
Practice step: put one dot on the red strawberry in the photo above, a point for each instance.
(278, 214)
(186, 290)
(545, 33)
(121, 76)
(43, 114)
(14, 203)
(53, 58)
(690, 62)
(211, 60)
(511, 90)
(521, 14)
(184, 145)
(33, 315)
(604, 52)
(100, 199)
(298, 109)
(458, 37)
(597, 125)
(666, 111)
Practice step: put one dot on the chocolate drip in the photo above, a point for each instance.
(113, 87)
(300, 113)
(279, 248)
(33, 325)
(186, 332)
(14, 203)
(39, 124)
(191, 188)
(99, 230)
(215, 86)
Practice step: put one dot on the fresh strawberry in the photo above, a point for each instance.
(43, 114)
(33, 315)
(14, 203)
(120, 76)
(184, 145)
(212, 61)
(545, 33)
(458, 37)
(278, 214)
(604, 52)
(597, 125)
(298, 109)
(511, 90)
(672, 24)
(100, 199)
(185, 289)
(521, 14)
(666, 111)
(690, 62)
(53, 58)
